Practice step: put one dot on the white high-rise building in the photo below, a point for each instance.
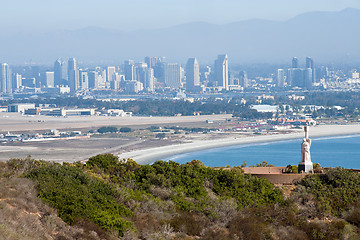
(146, 76)
(17, 81)
(83, 80)
(5, 78)
(149, 83)
(172, 75)
(280, 78)
(310, 64)
(110, 73)
(60, 73)
(47, 79)
(222, 71)
(73, 75)
(129, 70)
(192, 74)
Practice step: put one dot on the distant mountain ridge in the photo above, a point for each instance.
(327, 36)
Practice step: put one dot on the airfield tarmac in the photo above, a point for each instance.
(81, 149)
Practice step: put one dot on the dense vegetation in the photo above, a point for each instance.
(77, 195)
(107, 129)
(108, 199)
(335, 192)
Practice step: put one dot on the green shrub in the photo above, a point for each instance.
(77, 195)
(188, 181)
(335, 191)
(107, 130)
(160, 135)
(125, 129)
(104, 161)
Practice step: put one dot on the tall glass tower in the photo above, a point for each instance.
(192, 74)
(73, 75)
(222, 71)
(5, 78)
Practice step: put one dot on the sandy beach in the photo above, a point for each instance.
(146, 156)
(143, 149)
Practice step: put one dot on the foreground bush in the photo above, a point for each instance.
(193, 179)
(334, 191)
(77, 195)
(167, 200)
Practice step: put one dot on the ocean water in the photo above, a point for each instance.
(341, 151)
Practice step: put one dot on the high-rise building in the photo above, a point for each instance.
(222, 71)
(129, 70)
(243, 79)
(300, 77)
(110, 73)
(133, 86)
(5, 78)
(93, 77)
(295, 62)
(17, 81)
(149, 83)
(158, 68)
(146, 76)
(73, 75)
(60, 73)
(83, 80)
(140, 72)
(192, 74)
(172, 75)
(280, 78)
(310, 64)
(308, 78)
(102, 80)
(205, 74)
(151, 61)
(47, 79)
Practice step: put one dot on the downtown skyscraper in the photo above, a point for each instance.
(145, 75)
(295, 62)
(192, 75)
(310, 64)
(129, 70)
(172, 75)
(5, 78)
(280, 78)
(60, 73)
(243, 79)
(222, 71)
(73, 75)
(301, 77)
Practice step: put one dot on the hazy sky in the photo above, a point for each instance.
(131, 15)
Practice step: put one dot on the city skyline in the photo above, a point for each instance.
(155, 75)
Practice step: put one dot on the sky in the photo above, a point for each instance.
(128, 15)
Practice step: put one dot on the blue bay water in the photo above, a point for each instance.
(341, 151)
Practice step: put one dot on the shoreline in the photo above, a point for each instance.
(150, 155)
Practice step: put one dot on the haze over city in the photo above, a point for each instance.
(145, 14)
(113, 31)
